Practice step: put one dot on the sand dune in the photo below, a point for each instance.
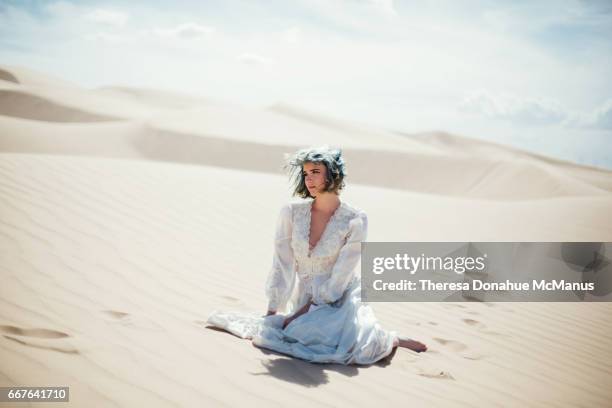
(23, 105)
(458, 144)
(28, 77)
(119, 237)
(153, 97)
(161, 126)
(45, 100)
(8, 76)
(479, 178)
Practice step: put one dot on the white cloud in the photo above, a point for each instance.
(107, 17)
(600, 118)
(531, 111)
(253, 59)
(185, 31)
(396, 64)
(514, 108)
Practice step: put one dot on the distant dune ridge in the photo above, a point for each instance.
(128, 215)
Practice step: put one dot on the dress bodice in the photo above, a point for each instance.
(323, 272)
(321, 259)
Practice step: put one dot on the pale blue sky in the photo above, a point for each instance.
(533, 74)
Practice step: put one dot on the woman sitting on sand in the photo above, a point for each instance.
(313, 279)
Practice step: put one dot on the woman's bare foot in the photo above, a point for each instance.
(410, 344)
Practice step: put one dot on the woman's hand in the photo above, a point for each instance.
(271, 312)
(287, 321)
(301, 311)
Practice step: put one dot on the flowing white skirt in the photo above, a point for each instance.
(344, 332)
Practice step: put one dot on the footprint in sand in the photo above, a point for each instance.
(482, 326)
(116, 314)
(474, 323)
(38, 338)
(452, 305)
(40, 333)
(496, 333)
(451, 344)
(473, 355)
(459, 347)
(231, 299)
(436, 374)
(128, 320)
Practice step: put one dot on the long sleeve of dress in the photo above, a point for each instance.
(344, 269)
(281, 278)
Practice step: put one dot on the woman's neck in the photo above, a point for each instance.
(326, 202)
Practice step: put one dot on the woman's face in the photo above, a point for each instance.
(314, 177)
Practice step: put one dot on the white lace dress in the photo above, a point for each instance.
(338, 328)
